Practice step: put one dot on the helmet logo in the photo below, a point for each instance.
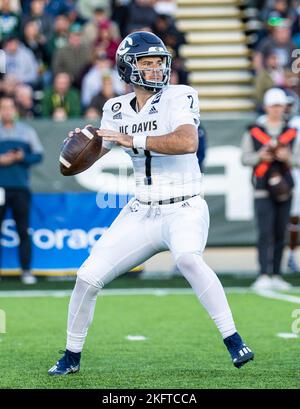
(156, 49)
(124, 47)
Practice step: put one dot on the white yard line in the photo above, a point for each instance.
(114, 292)
(160, 292)
(136, 338)
(287, 335)
(278, 296)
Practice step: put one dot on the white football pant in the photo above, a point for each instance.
(139, 232)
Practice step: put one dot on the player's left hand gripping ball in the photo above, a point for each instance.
(80, 151)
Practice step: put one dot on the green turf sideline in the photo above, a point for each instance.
(183, 348)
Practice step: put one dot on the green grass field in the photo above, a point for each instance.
(183, 349)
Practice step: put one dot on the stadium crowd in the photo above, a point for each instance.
(60, 54)
(275, 49)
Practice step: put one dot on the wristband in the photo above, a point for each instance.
(139, 141)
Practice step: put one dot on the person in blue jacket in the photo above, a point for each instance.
(20, 148)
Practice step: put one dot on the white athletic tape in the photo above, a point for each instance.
(64, 162)
(87, 133)
(139, 142)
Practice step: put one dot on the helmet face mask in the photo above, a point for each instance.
(132, 49)
(161, 74)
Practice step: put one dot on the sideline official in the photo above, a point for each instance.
(271, 147)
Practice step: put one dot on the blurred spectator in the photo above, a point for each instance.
(44, 21)
(14, 5)
(161, 25)
(26, 6)
(20, 148)
(91, 28)
(293, 106)
(120, 14)
(259, 4)
(272, 75)
(141, 13)
(56, 7)
(8, 85)
(174, 78)
(92, 81)
(20, 61)
(296, 25)
(292, 82)
(173, 40)
(279, 9)
(105, 41)
(74, 57)
(104, 95)
(9, 19)
(24, 101)
(178, 74)
(61, 101)
(60, 36)
(269, 147)
(181, 75)
(167, 7)
(280, 42)
(86, 8)
(165, 28)
(36, 42)
(92, 114)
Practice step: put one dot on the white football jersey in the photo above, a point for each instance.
(157, 176)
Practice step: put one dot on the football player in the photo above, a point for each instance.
(157, 126)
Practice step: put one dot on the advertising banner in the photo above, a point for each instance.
(70, 213)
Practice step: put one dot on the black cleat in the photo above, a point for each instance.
(240, 353)
(68, 363)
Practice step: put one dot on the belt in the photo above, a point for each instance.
(169, 201)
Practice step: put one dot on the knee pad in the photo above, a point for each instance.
(186, 261)
(83, 286)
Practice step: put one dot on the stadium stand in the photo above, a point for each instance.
(217, 53)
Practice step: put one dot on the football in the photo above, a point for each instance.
(80, 151)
